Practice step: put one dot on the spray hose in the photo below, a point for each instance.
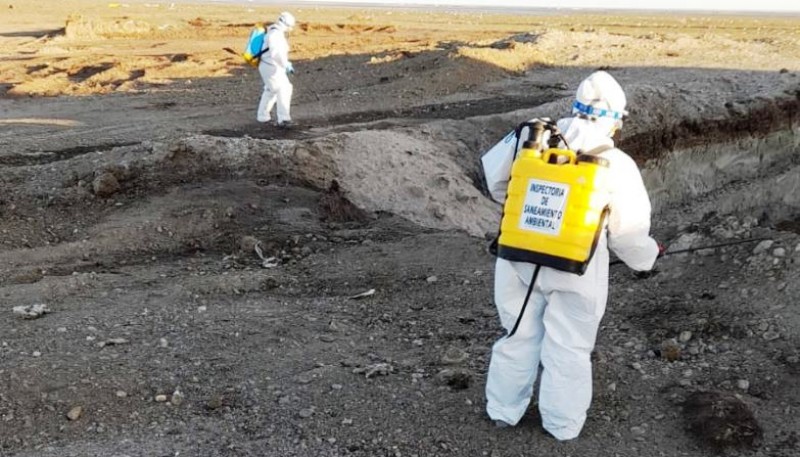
(700, 248)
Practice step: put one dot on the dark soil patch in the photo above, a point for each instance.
(721, 420)
(789, 226)
(335, 207)
(759, 120)
(83, 73)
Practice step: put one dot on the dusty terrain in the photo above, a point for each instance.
(136, 186)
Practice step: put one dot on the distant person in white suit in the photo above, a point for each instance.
(275, 68)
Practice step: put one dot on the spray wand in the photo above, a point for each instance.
(700, 248)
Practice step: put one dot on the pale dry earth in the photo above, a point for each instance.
(136, 185)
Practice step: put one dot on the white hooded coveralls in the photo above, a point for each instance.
(560, 323)
(272, 67)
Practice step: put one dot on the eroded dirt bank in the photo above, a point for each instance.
(135, 220)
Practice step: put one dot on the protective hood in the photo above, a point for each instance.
(600, 96)
(586, 134)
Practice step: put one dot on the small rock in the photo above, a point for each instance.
(612, 387)
(454, 356)
(75, 413)
(685, 241)
(121, 394)
(306, 413)
(432, 279)
(685, 336)
(743, 384)
(367, 293)
(771, 335)
(161, 398)
(115, 341)
(248, 243)
(779, 252)
(638, 430)
(347, 421)
(105, 185)
(377, 369)
(177, 398)
(163, 342)
(762, 247)
(636, 366)
(37, 354)
(31, 311)
(327, 338)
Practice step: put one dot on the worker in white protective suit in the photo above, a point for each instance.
(275, 68)
(560, 323)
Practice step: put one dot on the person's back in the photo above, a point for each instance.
(276, 49)
(564, 309)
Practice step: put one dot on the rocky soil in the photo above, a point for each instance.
(177, 280)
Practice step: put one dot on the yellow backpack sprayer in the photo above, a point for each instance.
(556, 205)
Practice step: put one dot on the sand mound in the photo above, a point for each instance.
(516, 57)
(83, 28)
(391, 171)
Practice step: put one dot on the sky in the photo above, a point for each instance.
(791, 6)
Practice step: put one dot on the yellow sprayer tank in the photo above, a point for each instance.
(555, 209)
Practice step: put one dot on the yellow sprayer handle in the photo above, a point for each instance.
(571, 155)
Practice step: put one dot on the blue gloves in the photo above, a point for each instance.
(289, 69)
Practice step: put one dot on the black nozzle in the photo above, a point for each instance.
(555, 139)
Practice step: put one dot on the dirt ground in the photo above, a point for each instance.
(137, 189)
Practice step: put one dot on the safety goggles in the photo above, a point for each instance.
(597, 112)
